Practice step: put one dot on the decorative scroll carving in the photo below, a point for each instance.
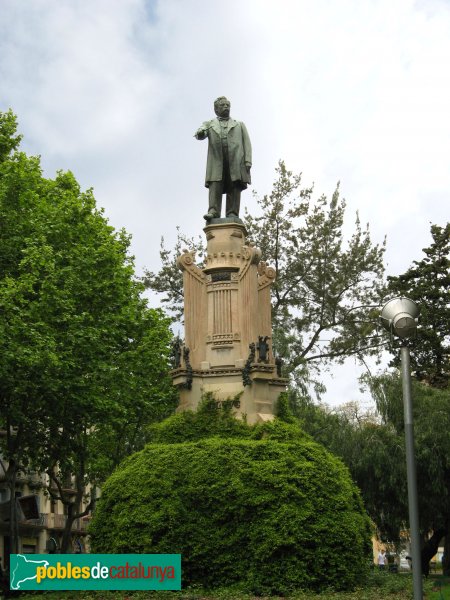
(266, 275)
(195, 305)
(186, 263)
(252, 252)
(251, 255)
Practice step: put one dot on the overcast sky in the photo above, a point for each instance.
(356, 91)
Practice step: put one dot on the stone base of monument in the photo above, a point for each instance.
(255, 401)
(228, 328)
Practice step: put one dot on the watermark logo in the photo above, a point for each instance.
(95, 571)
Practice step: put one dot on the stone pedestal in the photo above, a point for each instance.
(228, 330)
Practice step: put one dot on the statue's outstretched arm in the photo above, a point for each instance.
(202, 132)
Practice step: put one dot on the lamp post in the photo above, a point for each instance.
(399, 317)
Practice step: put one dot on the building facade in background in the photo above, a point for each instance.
(41, 534)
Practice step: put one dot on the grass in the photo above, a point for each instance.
(379, 586)
(440, 589)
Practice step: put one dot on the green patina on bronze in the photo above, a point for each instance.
(229, 160)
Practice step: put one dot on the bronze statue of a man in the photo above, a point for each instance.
(229, 160)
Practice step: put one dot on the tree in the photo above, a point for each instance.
(146, 395)
(373, 448)
(27, 347)
(326, 294)
(169, 280)
(373, 452)
(427, 282)
(431, 413)
(82, 356)
(9, 141)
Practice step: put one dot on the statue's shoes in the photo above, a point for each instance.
(211, 214)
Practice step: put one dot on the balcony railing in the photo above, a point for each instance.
(34, 522)
(25, 478)
(53, 521)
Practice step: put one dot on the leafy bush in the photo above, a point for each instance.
(211, 419)
(263, 506)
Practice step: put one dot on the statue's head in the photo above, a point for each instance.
(222, 106)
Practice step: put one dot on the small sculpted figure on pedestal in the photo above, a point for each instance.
(229, 160)
(263, 349)
(175, 354)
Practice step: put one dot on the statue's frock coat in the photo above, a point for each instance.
(239, 152)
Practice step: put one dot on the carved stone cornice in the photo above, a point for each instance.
(238, 260)
(233, 371)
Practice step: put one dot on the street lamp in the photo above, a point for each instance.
(399, 317)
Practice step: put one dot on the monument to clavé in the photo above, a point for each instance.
(227, 348)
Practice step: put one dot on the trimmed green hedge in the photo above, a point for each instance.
(268, 508)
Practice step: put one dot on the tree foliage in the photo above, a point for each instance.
(427, 282)
(372, 445)
(80, 350)
(326, 292)
(373, 452)
(264, 506)
(169, 279)
(9, 141)
(431, 414)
